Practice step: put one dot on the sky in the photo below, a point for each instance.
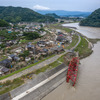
(69, 5)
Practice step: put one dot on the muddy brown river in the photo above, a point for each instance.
(88, 82)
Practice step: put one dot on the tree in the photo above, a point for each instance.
(3, 23)
(18, 14)
(24, 54)
(31, 35)
(92, 20)
(2, 46)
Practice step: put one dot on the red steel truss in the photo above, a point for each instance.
(72, 70)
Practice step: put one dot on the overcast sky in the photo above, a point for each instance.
(69, 5)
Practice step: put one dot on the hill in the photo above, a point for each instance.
(52, 15)
(65, 13)
(92, 20)
(17, 14)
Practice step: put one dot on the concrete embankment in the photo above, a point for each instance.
(44, 89)
(43, 84)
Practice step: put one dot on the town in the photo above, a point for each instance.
(19, 47)
(49, 49)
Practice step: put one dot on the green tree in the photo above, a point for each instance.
(17, 14)
(3, 23)
(92, 20)
(24, 54)
(31, 35)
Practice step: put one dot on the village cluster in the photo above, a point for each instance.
(53, 41)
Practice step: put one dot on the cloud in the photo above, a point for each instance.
(38, 7)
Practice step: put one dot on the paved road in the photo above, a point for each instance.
(44, 87)
(77, 43)
(40, 65)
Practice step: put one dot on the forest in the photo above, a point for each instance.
(92, 20)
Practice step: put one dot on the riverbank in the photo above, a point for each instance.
(83, 48)
(45, 89)
(87, 85)
(88, 80)
(54, 64)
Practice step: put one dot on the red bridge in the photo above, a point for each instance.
(72, 70)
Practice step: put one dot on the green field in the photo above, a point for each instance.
(74, 42)
(83, 49)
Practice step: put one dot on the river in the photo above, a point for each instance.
(87, 86)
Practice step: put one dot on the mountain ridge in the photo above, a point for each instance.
(92, 20)
(63, 12)
(18, 14)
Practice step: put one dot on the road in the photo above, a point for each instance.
(43, 87)
(38, 66)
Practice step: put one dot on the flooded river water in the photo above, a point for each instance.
(88, 82)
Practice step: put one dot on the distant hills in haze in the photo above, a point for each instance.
(92, 20)
(52, 15)
(65, 13)
(19, 14)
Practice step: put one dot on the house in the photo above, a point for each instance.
(11, 57)
(36, 51)
(41, 43)
(53, 50)
(14, 41)
(69, 39)
(49, 43)
(44, 51)
(6, 63)
(60, 49)
(16, 58)
(17, 30)
(10, 30)
(62, 38)
(3, 70)
(18, 50)
(29, 47)
(1, 43)
(27, 59)
(21, 33)
(42, 33)
(1, 67)
(9, 43)
(57, 49)
(59, 33)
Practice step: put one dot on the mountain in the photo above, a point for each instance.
(17, 14)
(64, 13)
(52, 15)
(92, 20)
